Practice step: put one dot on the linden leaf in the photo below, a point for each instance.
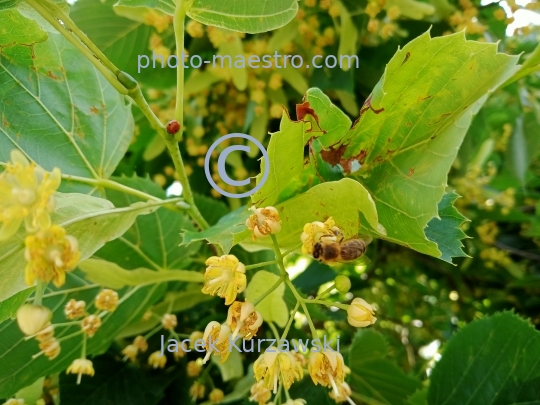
(273, 307)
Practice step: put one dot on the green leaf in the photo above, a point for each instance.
(167, 6)
(62, 112)
(235, 15)
(373, 376)
(32, 392)
(17, 352)
(491, 361)
(120, 39)
(93, 221)
(232, 368)
(229, 231)
(111, 275)
(283, 36)
(411, 127)
(417, 10)
(445, 231)
(273, 308)
(244, 15)
(153, 241)
(9, 4)
(9, 307)
(18, 30)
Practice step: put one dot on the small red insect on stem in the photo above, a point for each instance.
(173, 127)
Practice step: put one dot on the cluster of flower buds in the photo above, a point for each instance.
(35, 321)
(139, 345)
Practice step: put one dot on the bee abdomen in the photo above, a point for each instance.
(353, 249)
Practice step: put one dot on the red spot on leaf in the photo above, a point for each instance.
(94, 110)
(411, 172)
(303, 109)
(406, 58)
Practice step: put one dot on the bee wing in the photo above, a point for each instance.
(365, 238)
(361, 261)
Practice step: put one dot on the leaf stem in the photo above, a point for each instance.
(68, 22)
(182, 7)
(284, 274)
(327, 303)
(113, 185)
(40, 289)
(291, 319)
(304, 307)
(274, 330)
(262, 264)
(269, 291)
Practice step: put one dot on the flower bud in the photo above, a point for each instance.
(107, 300)
(50, 347)
(91, 324)
(140, 343)
(360, 314)
(169, 321)
(33, 318)
(196, 391)
(193, 369)
(216, 395)
(130, 352)
(343, 283)
(74, 309)
(157, 360)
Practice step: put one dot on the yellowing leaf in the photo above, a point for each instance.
(110, 275)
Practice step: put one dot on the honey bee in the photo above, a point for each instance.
(333, 249)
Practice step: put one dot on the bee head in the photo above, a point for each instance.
(317, 250)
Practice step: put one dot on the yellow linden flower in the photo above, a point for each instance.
(74, 309)
(259, 393)
(80, 367)
(50, 254)
(158, 20)
(216, 396)
(33, 318)
(217, 338)
(244, 320)
(360, 314)
(225, 276)
(196, 391)
(130, 352)
(263, 222)
(26, 194)
(195, 29)
(140, 343)
(107, 300)
(169, 321)
(327, 368)
(343, 393)
(50, 348)
(314, 231)
(156, 360)
(193, 369)
(274, 365)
